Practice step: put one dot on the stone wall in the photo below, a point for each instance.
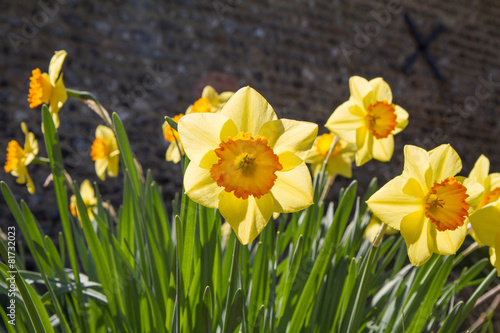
(147, 59)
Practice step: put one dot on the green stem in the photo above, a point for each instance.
(41, 160)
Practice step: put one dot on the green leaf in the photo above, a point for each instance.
(235, 312)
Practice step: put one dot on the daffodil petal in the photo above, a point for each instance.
(382, 149)
(417, 165)
(381, 90)
(401, 119)
(86, 190)
(249, 110)
(485, 223)
(493, 181)
(415, 230)
(475, 191)
(363, 141)
(343, 122)
(480, 170)
(55, 65)
(494, 259)
(201, 132)
(449, 241)
(445, 162)
(113, 164)
(361, 90)
(210, 94)
(289, 160)
(391, 205)
(285, 135)
(58, 96)
(225, 96)
(172, 154)
(29, 183)
(104, 132)
(201, 187)
(292, 190)
(246, 217)
(340, 165)
(100, 168)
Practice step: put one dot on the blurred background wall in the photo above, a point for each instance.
(148, 59)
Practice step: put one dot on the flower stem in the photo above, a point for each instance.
(380, 235)
(41, 160)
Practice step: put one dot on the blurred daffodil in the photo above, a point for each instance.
(210, 101)
(247, 163)
(105, 152)
(88, 197)
(341, 158)
(369, 119)
(49, 87)
(373, 228)
(427, 203)
(175, 148)
(18, 158)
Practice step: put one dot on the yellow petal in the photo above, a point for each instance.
(200, 186)
(382, 149)
(104, 132)
(172, 153)
(292, 190)
(474, 190)
(341, 164)
(249, 110)
(225, 96)
(391, 205)
(55, 65)
(29, 183)
(361, 91)
(417, 165)
(87, 191)
(485, 223)
(401, 119)
(289, 160)
(30, 144)
(381, 90)
(247, 217)
(58, 96)
(448, 242)
(289, 135)
(113, 166)
(201, 132)
(445, 162)
(100, 168)
(210, 94)
(480, 170)
(492, 181)
(364, 141)
(415, 230)
(343, 122)
(494, 259)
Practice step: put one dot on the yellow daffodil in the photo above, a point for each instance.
(485, 220)
(19, 158)
(491, 184)
(427, 203)
(210, 101)
(247, 163)
(49, 88)
(486, 224)
(369, 119)
(105, 152)
(175, 148)
(373, 228)
(340, 162)
(88, 197)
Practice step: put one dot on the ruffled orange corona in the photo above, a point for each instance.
(381, 119)
(445, 204)
(201, 105)
(105, 152)
(246, 166)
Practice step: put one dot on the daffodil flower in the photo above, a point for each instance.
(19, 158)
(369, 119)
(427, 203)
(247, 163)
(485, 220)
(49, 88)
(210, 101)
(88, 197)
(105, 152)
(341, 158)
(175, 148)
